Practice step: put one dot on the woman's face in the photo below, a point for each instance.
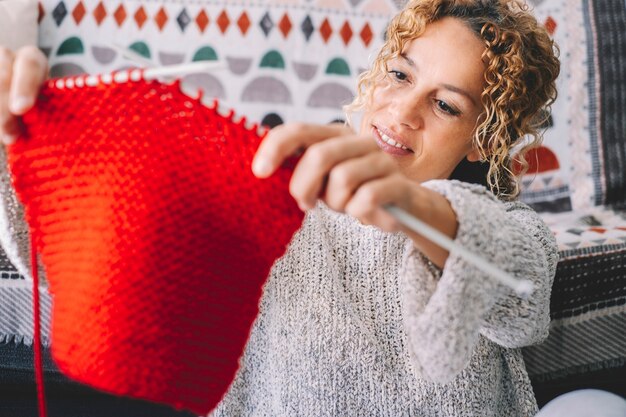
(429, 102)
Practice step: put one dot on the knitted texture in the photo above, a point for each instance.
(155, 236)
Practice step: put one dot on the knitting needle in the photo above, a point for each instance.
(148, 74)
(182, 69)
(133, 56)
(151, 72)
(522, 287)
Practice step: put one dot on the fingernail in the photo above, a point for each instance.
(20, 103)
(261, 167)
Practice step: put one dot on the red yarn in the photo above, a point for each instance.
(38, 354)
(155, 236)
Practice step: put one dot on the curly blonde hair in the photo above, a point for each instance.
(521, 69)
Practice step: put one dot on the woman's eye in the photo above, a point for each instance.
(443, 106)
(398, 75)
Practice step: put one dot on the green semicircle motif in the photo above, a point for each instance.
(71, 45)
(206, 53)
(141, 48)
(272, 59)
(338, 66)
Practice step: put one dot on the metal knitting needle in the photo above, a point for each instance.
(152, 71)
(522, 287)
(182, 69)
(132, 55)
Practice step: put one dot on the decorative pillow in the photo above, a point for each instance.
(583, 161)
(155, 236)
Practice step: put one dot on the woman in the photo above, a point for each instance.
(362, 320)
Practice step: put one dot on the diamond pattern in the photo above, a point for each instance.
(183, 20)
(120, 15)
(140, 17)
(244, 23)
(79, 12)
(346, 33)
(550, 25)
(307, 27)
(100, 13)
(366, 34)
(59, 13)
(161, 18)
(223, 21)
(202, 20)
(285, 25)
(326, 30)
(266, 24)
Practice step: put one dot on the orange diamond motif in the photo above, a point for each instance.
(202, 20)
(161, 18)
(100, 13)
(326, 30)
(243, 22)
(42, 13)
(140, 17)
(223, 21)
(550, 25)
(366, 34)
(346, 33)
(285, 25)
(120, 15)
(79, 12)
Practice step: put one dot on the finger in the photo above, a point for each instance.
(29, 71)
(368, 201)
(8, 123)
(309, 176)
(284, 140)
(348, 176)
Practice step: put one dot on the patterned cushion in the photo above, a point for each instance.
(583, 162)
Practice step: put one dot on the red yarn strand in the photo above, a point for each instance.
(41, 397)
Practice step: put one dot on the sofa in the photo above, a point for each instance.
(298, 60)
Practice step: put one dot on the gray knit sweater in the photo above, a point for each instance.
(356, 322)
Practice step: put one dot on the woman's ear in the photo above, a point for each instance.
(473, 155)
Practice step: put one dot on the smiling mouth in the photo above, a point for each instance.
(389, 141)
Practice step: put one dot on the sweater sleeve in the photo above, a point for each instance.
(445, 315)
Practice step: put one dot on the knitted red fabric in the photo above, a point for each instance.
(155, 236)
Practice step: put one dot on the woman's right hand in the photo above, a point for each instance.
(21, 75)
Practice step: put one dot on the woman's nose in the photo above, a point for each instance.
(408, 110)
